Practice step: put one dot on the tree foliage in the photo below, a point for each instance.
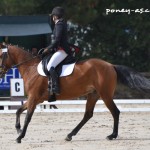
(17, 7)
(119, 38)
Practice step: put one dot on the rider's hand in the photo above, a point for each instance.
(43, 53)
(45, 50)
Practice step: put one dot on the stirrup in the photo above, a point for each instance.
(52, 98)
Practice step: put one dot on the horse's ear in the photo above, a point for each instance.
(2, 45)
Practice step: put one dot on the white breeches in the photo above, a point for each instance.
(57, 58)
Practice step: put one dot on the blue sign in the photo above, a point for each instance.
(5, 82)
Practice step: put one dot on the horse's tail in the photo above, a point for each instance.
(132, 78)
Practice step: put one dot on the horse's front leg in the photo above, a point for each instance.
(18, 113)
(30, 111)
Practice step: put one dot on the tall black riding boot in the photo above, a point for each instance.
(55, 81)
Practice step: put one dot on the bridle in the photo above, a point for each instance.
(3, 68)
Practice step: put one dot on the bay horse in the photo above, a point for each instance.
(94, 78)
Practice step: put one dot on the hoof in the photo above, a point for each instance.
(68, 138)
(18, 140)
(111, 137)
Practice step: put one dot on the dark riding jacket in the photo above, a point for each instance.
(60, 37)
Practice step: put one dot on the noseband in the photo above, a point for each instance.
(3, 68)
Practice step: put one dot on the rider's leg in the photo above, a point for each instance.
(57, 58)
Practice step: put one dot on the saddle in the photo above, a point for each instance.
(68, 60)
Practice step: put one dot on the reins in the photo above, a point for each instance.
(28, 59)
(25, 61)
(39, 54)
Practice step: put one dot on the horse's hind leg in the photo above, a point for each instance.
(18, 113)
(91, 101)
(115, 113)
(108, 85)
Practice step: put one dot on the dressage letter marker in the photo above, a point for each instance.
(17, 87)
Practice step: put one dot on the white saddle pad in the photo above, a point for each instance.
(66, 69)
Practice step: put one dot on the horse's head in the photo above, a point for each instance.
(5, 62)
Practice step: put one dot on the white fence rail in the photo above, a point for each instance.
(130, 105)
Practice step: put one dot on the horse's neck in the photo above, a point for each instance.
(20, 57)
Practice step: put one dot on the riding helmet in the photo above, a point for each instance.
(58, 11)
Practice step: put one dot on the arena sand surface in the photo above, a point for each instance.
(47, 131)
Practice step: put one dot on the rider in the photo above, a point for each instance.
(59, 45)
